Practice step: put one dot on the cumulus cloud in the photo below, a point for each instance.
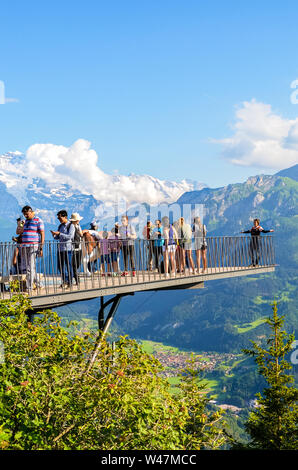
(261, 138)
(77, 166)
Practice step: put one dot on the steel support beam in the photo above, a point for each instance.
(104, 324)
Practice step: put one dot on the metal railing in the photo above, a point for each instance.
(116, 262)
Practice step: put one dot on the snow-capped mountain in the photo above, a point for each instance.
(50, 178)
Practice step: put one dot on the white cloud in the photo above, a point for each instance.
(261, 138)
(77, 166)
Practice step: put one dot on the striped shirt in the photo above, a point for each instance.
(127, 234)
(32, 229)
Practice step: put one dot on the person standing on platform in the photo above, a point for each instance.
(32, 241)
(65, 236)
(115, 246)
(77, 246)
(185, 245)
(95, 266)
(105, 256)
(169, 247)
(147, 235)
(157, 235)
(200, 232)
(254, 246)
(127, 235)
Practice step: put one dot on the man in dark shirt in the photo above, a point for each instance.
(254, 246)
(65, 235)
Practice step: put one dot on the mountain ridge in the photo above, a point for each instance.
(18, 188)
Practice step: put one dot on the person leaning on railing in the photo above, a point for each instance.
(254, 245)
(32, 232)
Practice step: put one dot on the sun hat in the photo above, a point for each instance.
(75, 217)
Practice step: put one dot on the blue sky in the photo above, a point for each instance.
(153, 84)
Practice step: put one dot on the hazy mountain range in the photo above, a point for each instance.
(48, 194)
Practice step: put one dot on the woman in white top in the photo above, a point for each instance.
(200, 232)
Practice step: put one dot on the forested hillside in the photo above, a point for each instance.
(226, 314)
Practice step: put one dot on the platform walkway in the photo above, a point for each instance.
(227, 257)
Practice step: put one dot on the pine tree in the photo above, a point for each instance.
(274, 423)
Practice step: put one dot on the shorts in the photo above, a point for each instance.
(200, 244)
(187, 245)
(105, 258)
(170, 248)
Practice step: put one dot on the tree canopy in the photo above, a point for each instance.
(56, 394)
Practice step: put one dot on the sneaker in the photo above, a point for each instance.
(38, 285)
(125, 273)
(133, 273)
(66, 285)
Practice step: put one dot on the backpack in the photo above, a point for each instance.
(186, 233)
(77, 239)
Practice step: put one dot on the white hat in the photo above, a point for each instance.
(75, 217)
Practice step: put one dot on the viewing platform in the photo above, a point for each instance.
(227, 257)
